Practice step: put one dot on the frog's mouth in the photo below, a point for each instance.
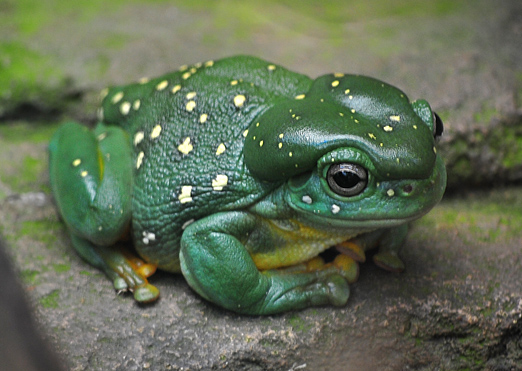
(384, 204)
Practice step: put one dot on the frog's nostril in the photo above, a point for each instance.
(408, 188)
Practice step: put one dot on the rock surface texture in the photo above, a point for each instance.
(458, 305)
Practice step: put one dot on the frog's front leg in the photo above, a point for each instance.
(91, 179)
(216, 264)
(389, 241)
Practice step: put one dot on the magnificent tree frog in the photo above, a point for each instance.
(238, 173)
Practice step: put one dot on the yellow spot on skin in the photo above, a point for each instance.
(341, 114)
(396, 118)
(415, 127)
(347, 91)
(185, 147)
(300, 96)
(175, 89)
(335, 83)
(233, 82)
(125, 108)
(143, 80)
(353, 110)
(190, 106)
(139, 160)
(100, 114)
(102, 136)
(193, 70)
(434, 150)
(290, 154)
(186, 75)
(84, 173)
(117, 97)
(271, 67)
(185, 195)
(162, 85)
(257, 124)
(245, 133)
(191, 95)
(261, 143)
(281, 136)
(219, 182)
(76, 162)
(372, 136)
(221, 148)
(239, 100)
(390, 192)
(381, 144)
(155, 132)
(388, 128)
(280, 145)
(356, 121)
(203, 118)
(138, 137)
(198, 65)
(209, 64)
(136, 105)
(183, 68)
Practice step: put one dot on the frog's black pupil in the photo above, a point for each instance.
(439, 126)
(346, 179)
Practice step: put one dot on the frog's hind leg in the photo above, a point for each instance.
(91, 178)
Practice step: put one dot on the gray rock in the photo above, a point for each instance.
(457, 306)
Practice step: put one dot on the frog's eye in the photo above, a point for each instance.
(438, 128)
(347, 179)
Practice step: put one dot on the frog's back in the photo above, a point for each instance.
(187, 131)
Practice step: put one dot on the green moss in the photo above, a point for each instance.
(41, 230)
(28, 76)
(29, 276)
(27, 132)
(61, 268)
(50, 300)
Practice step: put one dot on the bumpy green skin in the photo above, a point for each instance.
(219, 170)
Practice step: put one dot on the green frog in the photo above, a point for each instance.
(239, 173)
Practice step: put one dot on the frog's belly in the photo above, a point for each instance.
(297, 245)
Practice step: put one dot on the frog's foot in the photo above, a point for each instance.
(388, 261)
(345, 265)
(353, 250)
(127, 271)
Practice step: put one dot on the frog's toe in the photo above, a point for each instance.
(353, 250)
(120, 285)
(347, 267)
(146, 293)
(389, 262)
(339, 290)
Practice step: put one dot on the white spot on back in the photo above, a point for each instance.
(138, 137)
(117, 97)
(221, 149)
(185, 195)
(190, 106)
(125, 108)
(139, 159)
(219, 182)
(187, 223)
(155, 132)
(185, 147)
(147, 237)
(239, 100)
(162, 85)
(335, 209)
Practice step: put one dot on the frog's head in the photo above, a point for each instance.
(353, 151)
